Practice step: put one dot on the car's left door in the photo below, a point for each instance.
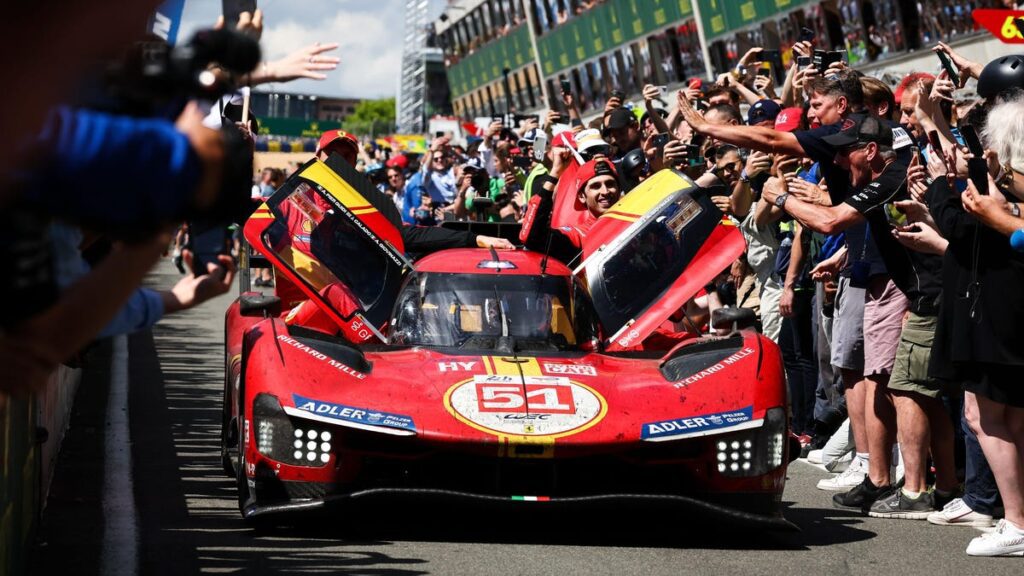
(344, 253)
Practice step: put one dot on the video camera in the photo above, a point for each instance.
(155, 79)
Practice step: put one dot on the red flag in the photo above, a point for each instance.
(1001, 24)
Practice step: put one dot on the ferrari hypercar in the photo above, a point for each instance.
(496, 376)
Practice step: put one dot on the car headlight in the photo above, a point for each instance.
(753, 452)
(295, 442)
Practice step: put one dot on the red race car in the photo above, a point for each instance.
(497, 377)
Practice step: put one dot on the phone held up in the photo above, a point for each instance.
(947, 65)
(206, 241)
(977, 167)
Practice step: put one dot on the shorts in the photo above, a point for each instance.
(910, 371)
(884, 309)
(998, 382)
(848, 327)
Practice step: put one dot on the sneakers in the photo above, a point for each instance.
(850, 478)
(958, 513)
(815, 456)
(1005, 540)
(862, 496)
(900, 506)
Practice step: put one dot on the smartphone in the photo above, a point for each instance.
(662, 89)
(806, 35)
(540, 146)
(833, 56)
(915, 154)
(769, 55)
(660, 140)
(893, 215)
(566, 87)
(971, 139)
(439, 134)
(803, 61)
(977, 171)
(933, 139)
(764, 71)
(947, 65)
(693, 155)
(498, 119)
(232, 9)
(817, 59)
(618, 94)
(977, 167)
(206, 241)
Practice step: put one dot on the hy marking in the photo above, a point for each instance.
(456, 366)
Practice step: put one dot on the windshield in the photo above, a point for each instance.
(476, 310)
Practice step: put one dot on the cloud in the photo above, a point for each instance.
(369, 32)
(369, 47)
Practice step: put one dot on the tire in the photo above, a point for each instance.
(225, 422)
(241, 482)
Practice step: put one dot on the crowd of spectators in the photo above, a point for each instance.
(877, 260)
(884, 250)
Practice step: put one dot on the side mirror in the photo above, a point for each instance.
(733, 318)
(262, 305)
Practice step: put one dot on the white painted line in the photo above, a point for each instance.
(120, 534)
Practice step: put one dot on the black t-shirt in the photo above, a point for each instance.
(860, 238)
(916, 274)
(838, 180)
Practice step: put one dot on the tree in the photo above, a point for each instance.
(372, 117)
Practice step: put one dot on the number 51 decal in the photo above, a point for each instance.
(536, 398)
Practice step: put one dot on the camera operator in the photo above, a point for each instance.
(87, 167)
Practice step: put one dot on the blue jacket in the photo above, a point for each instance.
(115, 170)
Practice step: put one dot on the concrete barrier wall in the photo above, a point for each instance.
(27, 464)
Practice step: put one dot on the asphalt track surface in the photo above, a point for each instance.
(188, 523)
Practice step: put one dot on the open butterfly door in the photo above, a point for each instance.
(327, 238)
(652, 252)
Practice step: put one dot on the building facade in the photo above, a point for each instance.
(603, 46)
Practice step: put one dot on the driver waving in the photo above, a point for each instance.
(597, 190)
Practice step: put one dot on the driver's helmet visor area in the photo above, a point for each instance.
(474, 310)
(326, 249)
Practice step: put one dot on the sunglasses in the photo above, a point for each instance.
(720, 151)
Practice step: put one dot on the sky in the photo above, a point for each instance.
(369, 32)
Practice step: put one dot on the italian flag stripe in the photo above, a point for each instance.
(532, 498)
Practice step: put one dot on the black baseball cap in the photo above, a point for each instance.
(861, 130)
(619, 118)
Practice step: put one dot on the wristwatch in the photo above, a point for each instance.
(781, 200)
(743, 176)
(1014, 209)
